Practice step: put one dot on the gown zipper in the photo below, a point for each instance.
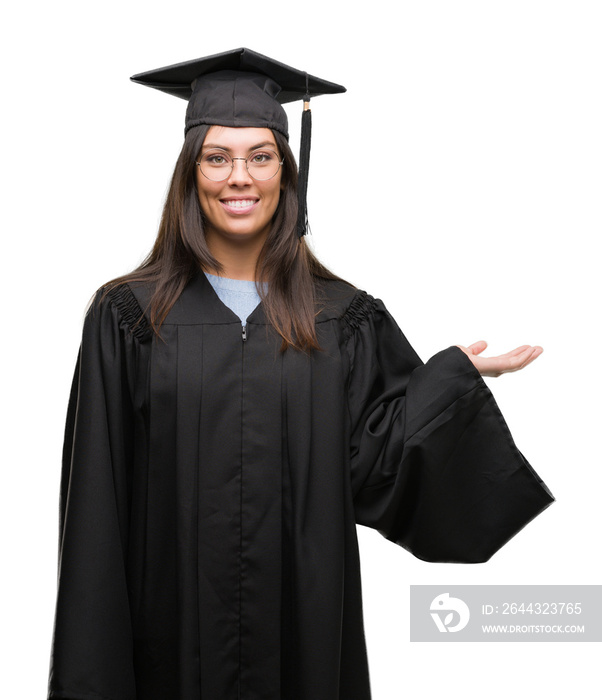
(240, 555)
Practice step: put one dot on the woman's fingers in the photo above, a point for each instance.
(523, 356)
(517, 351)
(529, 355)
(477, 347)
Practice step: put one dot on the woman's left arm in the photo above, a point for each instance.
(508, 362)
(433, 465)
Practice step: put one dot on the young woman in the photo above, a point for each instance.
(236, 410)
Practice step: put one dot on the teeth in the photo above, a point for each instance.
(239, 203)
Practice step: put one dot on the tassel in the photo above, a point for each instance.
(302, 222)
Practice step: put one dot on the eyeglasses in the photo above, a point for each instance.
(217, 165)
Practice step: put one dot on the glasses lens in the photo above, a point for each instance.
(263, 164)
(216, 165)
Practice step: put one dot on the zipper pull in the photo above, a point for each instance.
(244, 333)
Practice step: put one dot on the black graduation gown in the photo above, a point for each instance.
(211, 488)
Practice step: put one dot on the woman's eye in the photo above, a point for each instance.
(215, 159)
(261, 158)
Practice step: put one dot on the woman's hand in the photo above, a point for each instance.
(509, 362)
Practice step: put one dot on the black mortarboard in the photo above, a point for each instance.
(244, 88)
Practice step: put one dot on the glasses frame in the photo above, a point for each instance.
(246, 160)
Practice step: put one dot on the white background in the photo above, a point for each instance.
(482, 222)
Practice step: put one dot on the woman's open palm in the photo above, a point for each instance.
(508, 362)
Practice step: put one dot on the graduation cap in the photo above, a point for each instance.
(244, 88)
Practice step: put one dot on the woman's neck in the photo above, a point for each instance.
(238, 258)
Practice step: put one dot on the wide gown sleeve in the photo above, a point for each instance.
(434, 467)
(91, 655)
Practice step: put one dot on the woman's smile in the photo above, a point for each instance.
(239, 205)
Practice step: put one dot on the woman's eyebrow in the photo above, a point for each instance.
(229, 150)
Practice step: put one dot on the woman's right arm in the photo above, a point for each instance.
(92, 642)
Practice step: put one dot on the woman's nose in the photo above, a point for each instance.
(239, 175)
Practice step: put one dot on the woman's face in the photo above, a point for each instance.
(238, 208)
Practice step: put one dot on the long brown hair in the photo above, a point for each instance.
(285, 263)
